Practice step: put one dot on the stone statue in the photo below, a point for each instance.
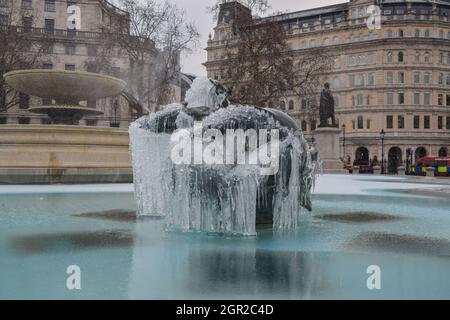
(327, 108)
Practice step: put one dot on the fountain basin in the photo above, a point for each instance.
(36, 154)
(64, 85)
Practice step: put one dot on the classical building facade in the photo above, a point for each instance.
(78, 50)
(394, 78)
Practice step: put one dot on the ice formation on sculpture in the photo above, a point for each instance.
(220, 198)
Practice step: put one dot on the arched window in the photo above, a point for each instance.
(417, 57)
(426, 57)
(427, 34)
(336, 40)
(417, 33)
(291, 105)
(304, 126)
(326, 42)
(401, 34)
(303, 44)
(401, 57)
(312, 43)
(389, 56)
(283, 105)
(390, 34)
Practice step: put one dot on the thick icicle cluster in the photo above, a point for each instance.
(218, 198)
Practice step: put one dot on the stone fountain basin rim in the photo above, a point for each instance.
(46, 109)
(89, 85)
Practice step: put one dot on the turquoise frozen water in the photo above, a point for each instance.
(40, 236)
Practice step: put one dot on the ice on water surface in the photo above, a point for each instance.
(217, 198)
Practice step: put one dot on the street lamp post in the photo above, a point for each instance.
(382, 135)
(343, 142)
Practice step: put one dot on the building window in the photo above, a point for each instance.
(426, 57)
(359, 99)
(70, 49)
(49, 6)
(3, 120)
(283, 105)
(401, 122)
(336, 40)
(416, 98)
(427, 34)
(417, 57)
(24, 101)
(447, 102)
(401, 98)
(291, 105)
(416, 122)
(360, 122)
(24, 120)
(426, 99)
(390, 98)
(427, 78)
(27, 24)
(440, 99)
(427, 122)
(304, 126)
(448, 123)
(401, 33)
(47, 66)
(371, 79)
(27, 4)
(441, 58)
(49, 26)
(441, 34)
(4, 20)
(417, 33)
(390, 34)
(390, 122)
(440, 123)
(416, 77)
(368, 123)
(69, 67)
(389, 56)
(371, 58)
(390, 78)
(304, 103)
(401, 57)
(441, 78)
(92, 104)
(401, 77)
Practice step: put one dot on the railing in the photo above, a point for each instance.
(77, 35)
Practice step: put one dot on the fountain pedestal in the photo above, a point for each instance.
(327, 141)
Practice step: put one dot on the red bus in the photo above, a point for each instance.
(441, 166)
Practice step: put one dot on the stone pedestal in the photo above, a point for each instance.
(328, 145)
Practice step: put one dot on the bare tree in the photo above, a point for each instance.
(158, 30)
(261, 68)
(257, 7)
(19, 49)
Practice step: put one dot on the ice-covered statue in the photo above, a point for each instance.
(209, 166)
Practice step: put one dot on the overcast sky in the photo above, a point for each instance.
(196, 11)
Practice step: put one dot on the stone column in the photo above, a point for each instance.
(328, 145)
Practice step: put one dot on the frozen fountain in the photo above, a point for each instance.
(221, 196)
